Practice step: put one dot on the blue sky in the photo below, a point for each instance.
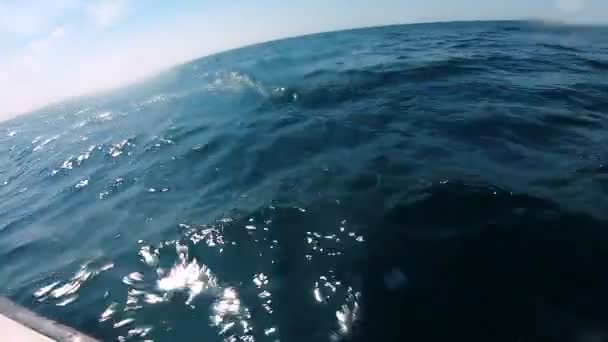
(51, 49)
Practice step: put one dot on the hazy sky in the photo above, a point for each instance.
(50, 49)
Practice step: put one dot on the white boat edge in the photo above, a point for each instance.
(23, 325)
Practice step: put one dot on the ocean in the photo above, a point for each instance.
(424, 182)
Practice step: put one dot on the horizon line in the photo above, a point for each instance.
(159, 73)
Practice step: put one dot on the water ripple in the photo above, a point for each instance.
(64, 293)
(300, 190)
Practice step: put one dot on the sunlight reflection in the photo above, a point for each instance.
(348, 314)
(228, 315)
(190, 277)
(67, 293)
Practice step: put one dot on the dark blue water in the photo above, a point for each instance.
(423, 183)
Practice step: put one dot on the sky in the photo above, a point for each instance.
(53, 49)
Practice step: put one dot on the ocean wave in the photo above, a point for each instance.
(424, 182)
(483, 241)
(561, 47)
(597, 64)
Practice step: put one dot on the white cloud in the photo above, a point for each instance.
(106, 13)
(58, 32)
(30, 17)
(40, 45)
(570, 5)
